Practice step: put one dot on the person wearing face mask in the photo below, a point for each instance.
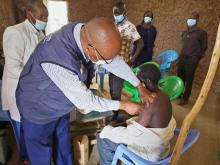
(53, 83)
(129, 36)
(148, 33)
(194, 45)
(19, 41)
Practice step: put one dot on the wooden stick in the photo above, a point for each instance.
(199, 102)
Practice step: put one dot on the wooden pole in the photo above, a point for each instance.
(199, 102)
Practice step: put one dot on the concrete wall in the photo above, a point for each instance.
(11, 12)
(7, 16)
(84, 10)
(169, 18)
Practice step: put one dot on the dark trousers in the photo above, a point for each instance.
(145, 56)
(40, 140)
(19, 136)
(116, 85)
(106, 150)
(186, 70)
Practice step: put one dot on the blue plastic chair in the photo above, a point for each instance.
(129, 158)
(101, 72)
(167, 57)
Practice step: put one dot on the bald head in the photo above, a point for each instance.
(104, 36)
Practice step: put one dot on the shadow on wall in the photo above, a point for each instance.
(169, 17)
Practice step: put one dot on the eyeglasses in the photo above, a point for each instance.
(96, 50)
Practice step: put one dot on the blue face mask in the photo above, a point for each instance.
(40, 25)
(191, 22)
(119, 18)
(147, 19)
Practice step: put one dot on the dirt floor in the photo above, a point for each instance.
(204, 151)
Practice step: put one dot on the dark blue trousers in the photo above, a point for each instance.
(40, 140)
(186, 70)
(19, 137)
(145, 56)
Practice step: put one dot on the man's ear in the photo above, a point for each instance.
(113, 10)
(148, 82)
(27, 12)
(30, 16)
(87, 51)
(125, 13)
(150, 85)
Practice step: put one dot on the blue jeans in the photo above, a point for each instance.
(40, 141)
(106, 150)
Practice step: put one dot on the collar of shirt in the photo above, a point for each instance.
(192, 30)
(138, 126)
(32, 28)
(122, 23)
(76, 33)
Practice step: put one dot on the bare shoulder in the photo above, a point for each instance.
(162, 110)
(162, 100)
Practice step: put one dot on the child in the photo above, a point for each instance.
(147, 135)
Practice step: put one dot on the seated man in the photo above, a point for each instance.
(147, 135)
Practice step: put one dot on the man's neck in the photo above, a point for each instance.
(190, 29)
(147, 26)
(33, 25)
(122, 22)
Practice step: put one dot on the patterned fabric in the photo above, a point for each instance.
(129, 35)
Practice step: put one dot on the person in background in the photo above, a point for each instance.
(149, 134)
(129, 36)
(148, 33)
(194, 45)
(19, 41)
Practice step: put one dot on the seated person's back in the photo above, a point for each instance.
(159, 113)
(147, 135)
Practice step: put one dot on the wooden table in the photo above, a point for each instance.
(83, 128)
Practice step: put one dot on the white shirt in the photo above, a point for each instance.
(76, 91)
(19, 41)
(150, 143)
